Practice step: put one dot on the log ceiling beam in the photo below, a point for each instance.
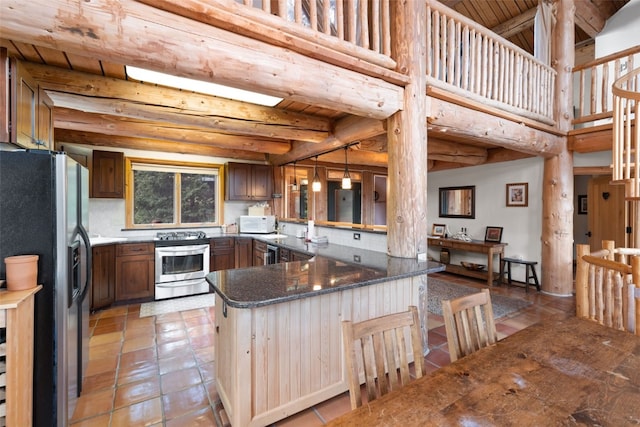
(517, 24)
(192, 49)
(181, 117)
(66, 136)
(111, 125)
(589, 18)
(91, 85)
(346, 131)
(456, 121)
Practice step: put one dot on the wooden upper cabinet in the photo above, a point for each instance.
(246, 181)
(107, 176)
(31, 120)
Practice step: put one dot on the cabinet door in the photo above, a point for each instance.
(103, 276)
(107, 174)
(238, 181)
(262, 182)
(243, 251)
(299, 256)
(134, 277)
(24, 107)
(45, 120)
(223, 259)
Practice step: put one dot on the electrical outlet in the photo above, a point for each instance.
(356, 258)
(356, 236)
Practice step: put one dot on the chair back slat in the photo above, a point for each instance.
(469, 323)
(388, 344)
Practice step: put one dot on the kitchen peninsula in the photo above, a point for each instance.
(278, 327)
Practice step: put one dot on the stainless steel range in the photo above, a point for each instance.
(182, 262)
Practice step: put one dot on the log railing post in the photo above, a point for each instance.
(582, 276)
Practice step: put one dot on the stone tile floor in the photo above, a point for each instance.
(159, 370)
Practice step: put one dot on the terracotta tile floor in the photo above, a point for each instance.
(159, 370)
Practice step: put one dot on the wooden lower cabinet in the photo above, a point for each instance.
(259, 251)
(299, 256)
(135, 277)
(103, 276)
(244, 252)
(223, 256)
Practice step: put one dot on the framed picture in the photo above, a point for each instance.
(438, 230)
(518, 194)
(582, 205)
(493, 234)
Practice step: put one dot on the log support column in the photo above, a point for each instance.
(557, 201)
(407, 136)
(407, 147)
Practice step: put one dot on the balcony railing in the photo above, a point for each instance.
(464, 57)
(592, 83)
(626, 133)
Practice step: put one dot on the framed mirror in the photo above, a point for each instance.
(457, 202)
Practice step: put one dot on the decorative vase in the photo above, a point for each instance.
(22, 272)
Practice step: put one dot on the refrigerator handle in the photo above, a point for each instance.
(85, 237)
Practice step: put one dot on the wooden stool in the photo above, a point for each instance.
(530, 272)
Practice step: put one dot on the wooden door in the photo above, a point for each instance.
(606, 210)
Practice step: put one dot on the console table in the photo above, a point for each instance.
(479, 246)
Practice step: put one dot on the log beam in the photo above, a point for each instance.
(589, 18)
(517, 24)
(66, 136)
(111, 125)
(91, 85)
(346, 131)
(195, 50)
(181, 117)
(465, 123)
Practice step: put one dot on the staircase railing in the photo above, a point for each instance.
(626, 133)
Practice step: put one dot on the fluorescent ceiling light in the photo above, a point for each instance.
(201, 87)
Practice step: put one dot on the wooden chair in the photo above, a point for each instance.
(606, 282)
(386, 345)
(467, 330)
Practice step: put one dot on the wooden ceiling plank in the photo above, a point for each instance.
(84, 64)
(28, 51)
(196, 50)
(12, 52)
(111, 125)
(53, 57)
(86, 84)
(589, 17)
(109, 69)
(66, 136)
(185, 118)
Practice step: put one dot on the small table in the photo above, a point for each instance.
(557, 372)
(478, 246)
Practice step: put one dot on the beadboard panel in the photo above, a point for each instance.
(276, 360)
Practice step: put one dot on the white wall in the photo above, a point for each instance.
(620, 31)
(522, 226)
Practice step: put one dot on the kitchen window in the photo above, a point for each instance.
(164, 194)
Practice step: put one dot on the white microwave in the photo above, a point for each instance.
(257, 224)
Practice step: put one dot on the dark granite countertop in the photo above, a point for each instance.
(333, 268)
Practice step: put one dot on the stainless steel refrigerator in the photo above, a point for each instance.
(44, 210)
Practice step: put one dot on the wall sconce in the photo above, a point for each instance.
(346, 179)
(294, 186)
(316, 185)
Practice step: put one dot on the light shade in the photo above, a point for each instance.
(201, 86)
(346, 179)
(316, 185)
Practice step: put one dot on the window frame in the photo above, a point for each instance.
(168, 164)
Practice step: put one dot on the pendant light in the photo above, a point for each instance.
(316, 185)
(294, 186)
(346, 179)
